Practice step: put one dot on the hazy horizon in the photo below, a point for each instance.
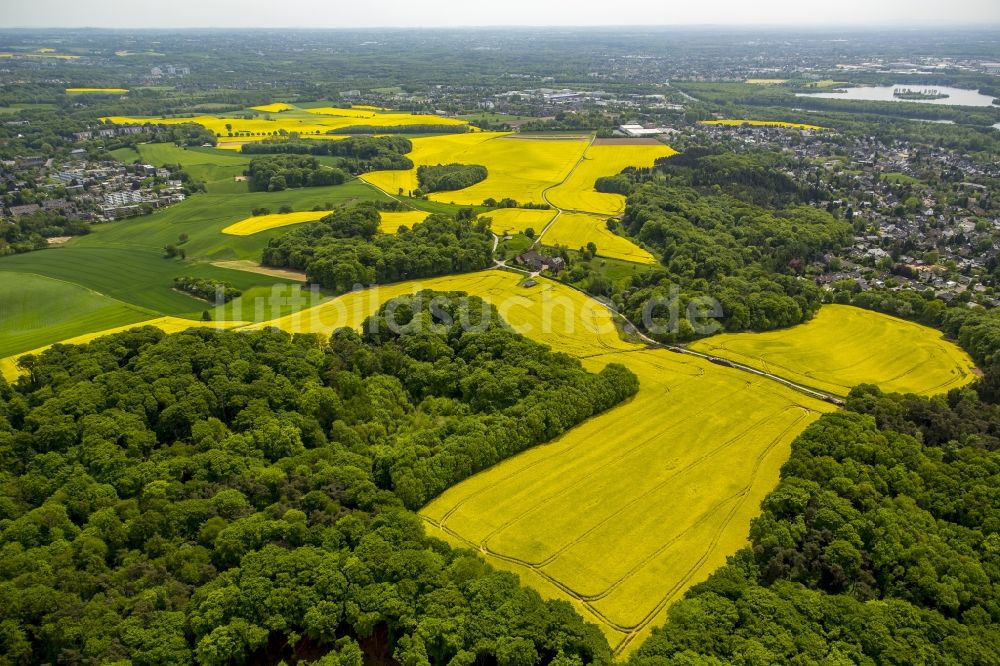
(315, 14)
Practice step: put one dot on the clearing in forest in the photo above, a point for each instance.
(844, 346)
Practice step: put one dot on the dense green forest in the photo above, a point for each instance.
(879, 546)
(747, 257)
(359, 154)
(346, 249)
(221, 497)
(448, 177)
(278, 172)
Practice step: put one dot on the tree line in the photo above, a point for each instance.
(220, 497)
(747, 257)
(729, 229)
(429, 128)
(32, 232)
(359, 154)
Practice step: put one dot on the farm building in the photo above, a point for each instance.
(536, 261)
(640, 130)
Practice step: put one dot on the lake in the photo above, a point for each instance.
(956, 96)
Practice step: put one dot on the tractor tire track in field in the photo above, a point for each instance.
(545, 193)
(631, 631)
(625, 454)
(608, 426)
(638, 498)
(717, 536)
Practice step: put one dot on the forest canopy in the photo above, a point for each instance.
(220, 497)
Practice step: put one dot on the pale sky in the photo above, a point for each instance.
(424, 13)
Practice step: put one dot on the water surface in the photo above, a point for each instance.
(956, 96)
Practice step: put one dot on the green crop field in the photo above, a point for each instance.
(142, 278)
(845, 346)
(36, 311)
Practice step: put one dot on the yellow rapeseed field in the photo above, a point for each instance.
(624, 513)
(577, 193)
(258, 223)
(22, 54)
(391, 221)
(518, 168)
(845, 346)
(79, 91)
(310, 123)
(511, 221)
(353, 112)
(428, 150)
(8, 365)
(549, 312)
(276, 107)
(761, 123)
(575, 230)
(766, 82)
